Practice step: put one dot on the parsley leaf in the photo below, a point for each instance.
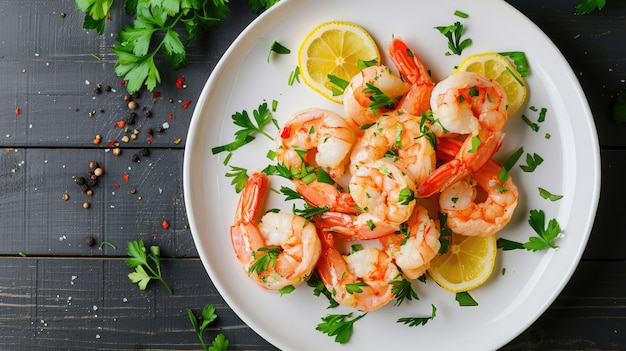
(454, 32)
(262, 117)
(587, 6)
(379, 99)
(465, 299)
(240, 177)
(548, 195)
(415, 321)
(143, 263)
(532, 161)
(402, 290)
(263, 258)
(507, 245)
(547, 235)
(220, 343)
(339, 325)
(156, 30)
(319, 288)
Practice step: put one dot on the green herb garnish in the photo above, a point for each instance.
(548, 195)
(277, 48)
(416, 321)
(465, 299)
(547, 235)
(453, 33)
(587, 6)
(339, 325)
(143, 261)
(220, 343)
(262, 117)
(402, 289)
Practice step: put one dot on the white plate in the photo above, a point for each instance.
(510, 301)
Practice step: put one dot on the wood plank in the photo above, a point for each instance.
(33, 181)
(59, 304)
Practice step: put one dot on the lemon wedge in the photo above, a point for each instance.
(467, 264)
(334, 48)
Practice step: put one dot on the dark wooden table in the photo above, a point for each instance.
(57, 292)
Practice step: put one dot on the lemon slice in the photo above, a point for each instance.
(467, 264)
(499, 68)
(334, 48)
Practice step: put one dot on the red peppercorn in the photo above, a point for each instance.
(18, 111)
(186, 104)
(180, 82)
(285, 133)
(165, 224)
(125, 176)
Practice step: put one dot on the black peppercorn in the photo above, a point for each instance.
(149, 131)
(147, 113)
(80, 180)
(107, 88)
(160, 129)
(90, 241)
(145, 151)
(134, 158)
(98, 89)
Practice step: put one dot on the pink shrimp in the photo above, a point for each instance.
(360, 279)
(290, 240)
(468, 104)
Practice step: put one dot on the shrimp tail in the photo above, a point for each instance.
(417, 99)
(408, 63)
(465, 163)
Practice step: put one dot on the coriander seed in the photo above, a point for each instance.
(98, 172)
(86, 204)
(93, 165)
(132, 105)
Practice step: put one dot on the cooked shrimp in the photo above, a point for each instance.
(317, 137)
(371, 93)
(321, 194)
(416, 245)
(479, 213)
(401, 138)
(290, 240)
(417, 100)
(385, 194)
(384, 190)
(359, 280)
(468, 104)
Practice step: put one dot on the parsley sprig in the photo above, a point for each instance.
(415, 321)
(220, 343)
(454, 32)
(143, 261)
(155, 31)
(547, 235)
(403, 290)
(339, 325)
(262, 117)
(587, 6)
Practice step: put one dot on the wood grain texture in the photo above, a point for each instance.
(66, 295)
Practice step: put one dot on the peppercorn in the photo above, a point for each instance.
(93, 165)
(65, 197)
(145, 151)
(63, 15)
(149, 131)
(89, 192)
(127, 97)
(160, 129)
(86, 204)
(90, 241)
(134, 158)
(98, 172)
(84, 188)
(80, 180)
(133, 190)
(93, 176)
(125, 139)
(93, 182)
(171, 101)
(117, 151)
(107, 88)
(132, 105)
(98, 89)
(147, 113)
